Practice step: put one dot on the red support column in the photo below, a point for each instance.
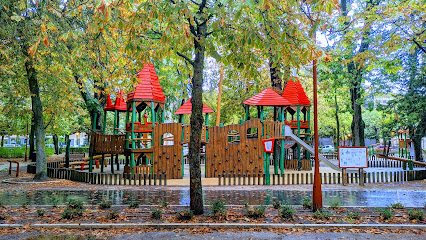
(317, 194)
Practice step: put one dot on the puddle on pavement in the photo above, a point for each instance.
(371, 198)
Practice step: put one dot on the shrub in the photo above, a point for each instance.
(105, 204)
(397, 206)
(322, 214)
(386, 213)
(75, 204)
(156, 213)
(70, 213)
(112, 215)
(276, 204)
(287, 212)
(75, 209)
(185, 215)
(416, 214)
(164, 204)
(256, 212)
(353, 215)
(134, 204)
(19, 152)
(1, 204)
(40, 212)
(334, 205)
(218, 209)
(307, 203)
(3, 215)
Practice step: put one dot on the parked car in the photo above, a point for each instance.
(381, 148)
(328, 149)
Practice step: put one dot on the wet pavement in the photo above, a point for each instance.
(176, 196)
(378, 235)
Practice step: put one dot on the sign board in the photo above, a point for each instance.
(268, 145)
(353, 157)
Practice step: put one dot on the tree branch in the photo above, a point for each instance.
(418, 45)
(186, 58)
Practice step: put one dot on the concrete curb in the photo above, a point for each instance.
(214, 225)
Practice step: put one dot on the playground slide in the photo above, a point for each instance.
(289, 133)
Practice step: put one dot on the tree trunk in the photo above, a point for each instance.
(356, 71)
(417, 141)
(91, 106)
(56, 144)
(357, 125)
(2, 140)
(276, 81)
(31, 141)
(196, 188)
(336, 113)
(37, 108)
(67, 151)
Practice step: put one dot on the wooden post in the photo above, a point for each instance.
(91, 155)
(152, 134)
(361, 177)
(282, 153)
(219, 97)
(207, 139)
(132, 155)
(345, 177)
(299, 162)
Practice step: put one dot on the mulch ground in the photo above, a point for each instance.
(234, 214)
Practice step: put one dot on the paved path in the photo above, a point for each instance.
(221, 235)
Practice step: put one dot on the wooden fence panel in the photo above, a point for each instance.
(167, 158)
(236, 152)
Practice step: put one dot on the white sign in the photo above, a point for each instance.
(268, 146)
(353, 157)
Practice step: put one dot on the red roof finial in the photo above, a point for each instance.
(148, 88)
(109, 105)
(295, 93)
(120, 104)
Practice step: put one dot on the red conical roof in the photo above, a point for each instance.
(304, 100)
(149, 88)
(267, 98)
(186, 108)
(109, 106)
(295, 93)
(120, 104)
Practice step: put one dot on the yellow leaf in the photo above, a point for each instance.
(33, 48)
(46, 41)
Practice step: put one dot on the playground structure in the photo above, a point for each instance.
(403, 144)
(152, 146)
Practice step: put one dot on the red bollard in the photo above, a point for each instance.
(97, 163)
(82, 166)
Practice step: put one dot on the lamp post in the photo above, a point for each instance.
(349, 136)
(78, 139)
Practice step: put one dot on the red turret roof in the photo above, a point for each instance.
(149, 88)
(120, 104)
(267, 98)
(295, 93)
(186, 108)
(109, 106)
